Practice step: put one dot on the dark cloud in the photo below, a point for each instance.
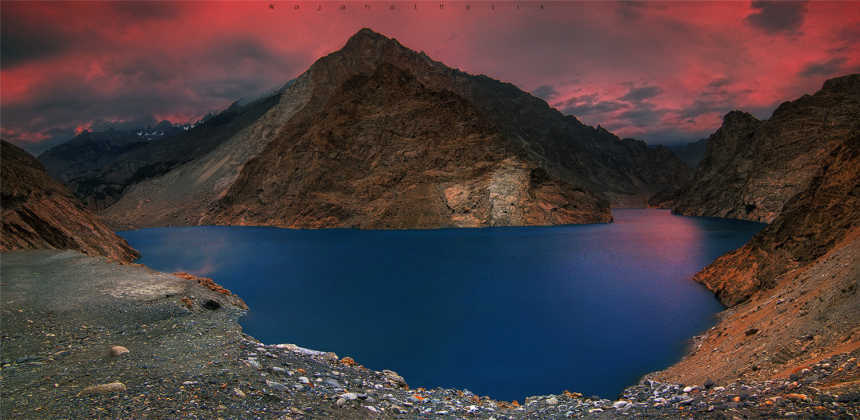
(588, 105)
(643, 115)
(545, 92)
(640, 94)
(131, 88)
(718, 83)
(777, 16)
(826, 68)
(23, 38)
(631, 10)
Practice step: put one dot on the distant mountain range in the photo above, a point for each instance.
(375, 136)
(690, 153)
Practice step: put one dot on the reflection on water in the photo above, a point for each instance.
(504, 312)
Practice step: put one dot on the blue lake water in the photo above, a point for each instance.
(505, 312)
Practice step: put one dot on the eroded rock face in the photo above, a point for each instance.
(38, 212)
(752, 168)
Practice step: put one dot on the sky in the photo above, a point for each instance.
(664, 72)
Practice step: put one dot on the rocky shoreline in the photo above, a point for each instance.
(187, 358)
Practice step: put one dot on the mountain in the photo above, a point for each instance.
(752, 168)
(39, 212)
(690, 153)
(792, 291)
(314, 159)
(98, 166)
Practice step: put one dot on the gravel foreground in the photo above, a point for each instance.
(85, 338)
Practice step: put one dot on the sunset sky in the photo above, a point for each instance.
(662, 72)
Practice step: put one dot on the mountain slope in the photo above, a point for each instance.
(752, 168)
(99, 167)
(579, 170)
(792, 290)
(387, 152)
(38, 212)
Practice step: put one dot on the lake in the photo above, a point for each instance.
(504, 312)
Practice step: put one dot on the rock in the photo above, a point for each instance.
(372, 409)
(104, 388)
(551, 401)
(795, 396)
(117, 351)
(254, 363)
(238, 392)
(278, 369)
(304, 380)
(277, 386)
(350, 396)
(394, 378)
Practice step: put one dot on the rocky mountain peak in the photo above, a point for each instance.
(738, 117)
(844, 84)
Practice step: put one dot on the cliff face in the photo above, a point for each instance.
(792, 290)
(344, 147)
(38, 212)
(752, 168)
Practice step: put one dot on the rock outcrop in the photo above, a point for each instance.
(344, 147)
(39, 212)
(792, 290)
(752, 168)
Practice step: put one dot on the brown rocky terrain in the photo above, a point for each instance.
(792, 290)
(752, 168)
(39, 212)
(358, 152)
(388, 152)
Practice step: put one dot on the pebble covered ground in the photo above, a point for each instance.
(78, 342)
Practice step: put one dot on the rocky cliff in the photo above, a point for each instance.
(792, 290)
(752, 168)
(39, 212)
(345, 147)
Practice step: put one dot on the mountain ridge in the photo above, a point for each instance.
(620, 172)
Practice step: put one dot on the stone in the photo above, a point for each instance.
(277, 386)
(552, 401)
(104, 388)
(394, 378)
(304, 380)
(350, 396)
(117, 351)
(238, 392)
(620, 404)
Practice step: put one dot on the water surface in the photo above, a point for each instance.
(505, 312)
